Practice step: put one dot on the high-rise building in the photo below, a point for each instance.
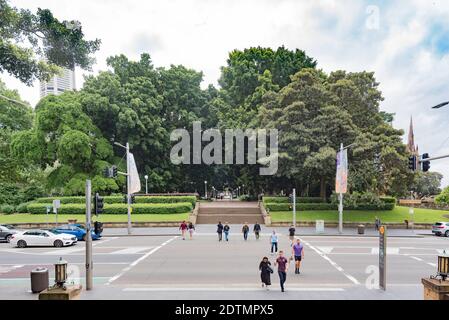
(59, 83)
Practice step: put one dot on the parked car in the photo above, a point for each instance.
(441, 229)
(75, 230)
(6, 232)
(42, 238)
(97, 228)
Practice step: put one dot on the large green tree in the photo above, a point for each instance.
(33, 45)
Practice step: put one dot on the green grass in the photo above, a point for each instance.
(398, 215)
(62, 218)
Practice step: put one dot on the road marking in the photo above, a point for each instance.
(221, 289)
(417, 259)
(326, 250)
(432, 264)
(7, 269)
(133, 264)
(390, 251)
(132, 250)
(334, 264)
(63, 251)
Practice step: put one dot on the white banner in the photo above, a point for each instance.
(133, 176)
(341, 182)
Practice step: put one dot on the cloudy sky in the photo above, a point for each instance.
(405, 42)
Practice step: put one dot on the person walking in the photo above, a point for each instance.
(298, 254)
(220, 231)
(226, 229)
(291, 234)
(191, 228)
(183, 227)
(257, 230)
(282, 264)
(265, 272)
(245, 231)
(274, 242)
(377, 223)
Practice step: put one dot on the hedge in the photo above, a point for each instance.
(142, 208)
(298, 200)
(388, 199)
(327, 206)
(120, 199)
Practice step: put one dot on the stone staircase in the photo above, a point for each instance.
(232, 212)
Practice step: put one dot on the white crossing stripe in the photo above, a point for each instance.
(6, 269)
(326, 250)
(132, 250)
(391, 250)
(221, 289)
(64, 251)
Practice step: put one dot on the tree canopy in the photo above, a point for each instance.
(33, 45)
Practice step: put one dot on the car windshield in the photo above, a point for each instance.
(438, 224)
(53, 232)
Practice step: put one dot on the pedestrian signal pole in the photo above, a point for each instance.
(89, 262)
(294, 207)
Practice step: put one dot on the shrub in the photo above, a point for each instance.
(116, 208)
(275, 200)
(388, 199)
(121, 199)
(7, 209)
(300, 206)
(22, 208)
(298, 200)
(443, 197)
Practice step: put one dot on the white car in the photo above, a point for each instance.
(42, 238)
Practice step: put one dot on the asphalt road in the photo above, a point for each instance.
(167, 267)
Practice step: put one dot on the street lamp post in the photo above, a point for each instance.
(128, 183)
(205, 189)
(146, 184)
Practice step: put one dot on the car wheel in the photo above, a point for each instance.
(447, 234)
(58, 244)
(21, 244)
(8, 238)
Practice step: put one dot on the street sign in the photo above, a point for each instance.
(383, 257)
(56, 205)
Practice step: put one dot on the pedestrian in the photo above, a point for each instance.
(191, 229)
(220, 231)
(265, 272)
(282, 264)
(226, 229)
(377, 223)
(257, 230)
(183, 227)
(274, 242)
(291, 234)
(245, 231)
(298, 253)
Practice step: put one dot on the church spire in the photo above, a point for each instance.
(411, 138)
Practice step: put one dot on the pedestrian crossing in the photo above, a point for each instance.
(101, 251)
(360, 250)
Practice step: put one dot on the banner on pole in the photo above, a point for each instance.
(341, 181)
(133, 176)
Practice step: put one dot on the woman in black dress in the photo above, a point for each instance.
(265, 272)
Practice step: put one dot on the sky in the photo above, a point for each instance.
(405, 42)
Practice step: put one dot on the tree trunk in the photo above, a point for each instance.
(323, 188)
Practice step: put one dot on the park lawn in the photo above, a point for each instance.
(62, 218)
(397, 215)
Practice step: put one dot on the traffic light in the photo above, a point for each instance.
(114, 172)
(98, 204)
(412, 163)
(425, 164)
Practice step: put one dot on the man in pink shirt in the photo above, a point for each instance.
(183, 227)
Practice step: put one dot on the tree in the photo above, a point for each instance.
(142, 105)
(427, 183)
(64, 139)
(240, 78)
(315, 113)
(59, 43)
